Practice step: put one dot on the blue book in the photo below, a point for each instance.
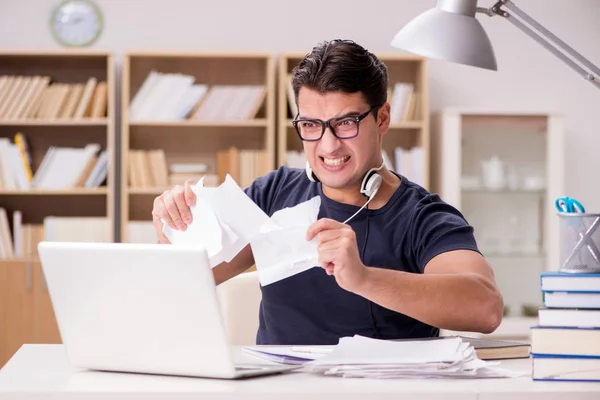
(560, 299)
(556, 281)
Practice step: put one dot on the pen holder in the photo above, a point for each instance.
(579, 242)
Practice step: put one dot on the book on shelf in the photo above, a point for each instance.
(404, 102)
(291, 97)
(61, 167)
(149, 169)
(22, 240)
(176, 96)
(244, 165)
(410, 163)
(40, 97)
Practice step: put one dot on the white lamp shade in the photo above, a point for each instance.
(447, 36)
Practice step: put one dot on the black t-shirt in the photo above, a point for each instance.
(309, 307)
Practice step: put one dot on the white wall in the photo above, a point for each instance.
(529, 77)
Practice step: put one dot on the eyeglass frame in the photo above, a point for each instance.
(327, 124)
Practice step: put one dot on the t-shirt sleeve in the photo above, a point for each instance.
(264, 189)
(438, 227)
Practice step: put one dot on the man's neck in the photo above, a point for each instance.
(390, 182)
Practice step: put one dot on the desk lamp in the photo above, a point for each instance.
(451, 32)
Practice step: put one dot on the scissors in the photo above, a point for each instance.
(569, 205)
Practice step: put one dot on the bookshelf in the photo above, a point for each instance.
(407, 141)
(186, 115)
(57, 138)
(56, 146)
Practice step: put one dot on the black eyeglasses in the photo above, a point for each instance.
(344, 127)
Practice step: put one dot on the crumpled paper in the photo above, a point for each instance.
(225, 220)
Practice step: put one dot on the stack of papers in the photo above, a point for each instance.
(361, 357)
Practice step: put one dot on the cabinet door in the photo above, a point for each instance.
(45, 327)
(16, 307)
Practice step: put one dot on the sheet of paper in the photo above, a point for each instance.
(283, 353)
(363, 350)
(225, 220)
(217, 221)
(281, 249)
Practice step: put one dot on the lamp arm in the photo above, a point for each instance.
(496, 9)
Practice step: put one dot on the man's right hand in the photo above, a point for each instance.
(173, 207)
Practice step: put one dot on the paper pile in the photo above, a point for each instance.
(361, 357)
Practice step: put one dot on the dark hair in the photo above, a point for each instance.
(342, 65)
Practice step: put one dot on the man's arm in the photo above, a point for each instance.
(240, 263)
(457, 291)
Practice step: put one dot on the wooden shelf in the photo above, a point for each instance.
(253, 123)
(43, 129)
(23, 260)
(212, 136)
(55, 122)
(148, 191)
(66, 192)
(407, 134)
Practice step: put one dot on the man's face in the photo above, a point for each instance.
(339, 163)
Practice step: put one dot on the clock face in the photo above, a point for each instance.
(76, 23)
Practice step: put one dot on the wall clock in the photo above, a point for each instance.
(76, 23)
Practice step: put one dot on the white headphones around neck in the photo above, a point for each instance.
(370, 184)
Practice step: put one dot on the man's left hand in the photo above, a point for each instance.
(338, 252)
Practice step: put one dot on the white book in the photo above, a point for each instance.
(178, 85)
(190, 99)
(417, 167)
(153, 99)
(40, 175)
(80, 161)
(86, 97)
(18, 233)
(569, 317)
(571, 300)
(234, 108)
(19, 173)
(143, 94)
(400, 101)
(8, 175)
(99, 172)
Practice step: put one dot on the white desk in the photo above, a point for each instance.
(43, 371)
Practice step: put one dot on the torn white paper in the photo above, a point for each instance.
(281, 249)
(225, 220)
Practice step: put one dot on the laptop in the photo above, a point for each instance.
(143, 308)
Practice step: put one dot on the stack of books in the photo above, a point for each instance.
(565, 345)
